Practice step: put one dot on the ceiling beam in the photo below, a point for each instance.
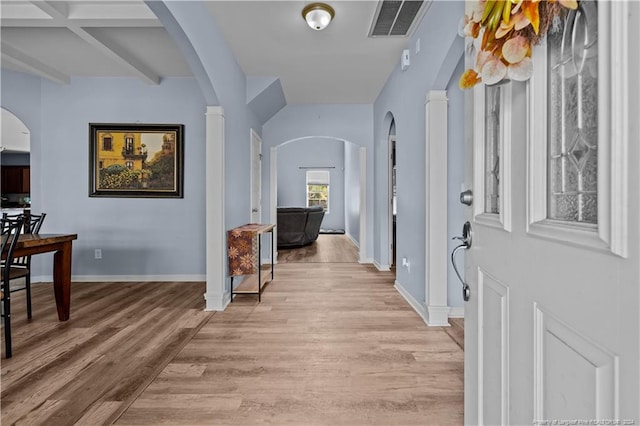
(59, 14)
(57, 11)
(84, 23)
(118, 54)
(17, 57)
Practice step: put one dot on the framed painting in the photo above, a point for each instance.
(136, 160)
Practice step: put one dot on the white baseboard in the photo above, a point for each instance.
(355, 243)
(124, 278)
(217, 301)
(456, 312)
(421, 310)
(438, 315)
(417, 306)
(381, 268)
(366, 262)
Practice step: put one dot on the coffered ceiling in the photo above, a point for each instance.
(63, 39)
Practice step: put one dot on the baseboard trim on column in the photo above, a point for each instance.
(216, 302)
(438, 316)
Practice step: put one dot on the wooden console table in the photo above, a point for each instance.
(244, 251)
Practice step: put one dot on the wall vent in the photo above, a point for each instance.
(397, 18)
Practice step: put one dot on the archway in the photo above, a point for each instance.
(15, 148)
(356, 170)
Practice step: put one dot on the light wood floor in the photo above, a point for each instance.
(330, 344)
(89, 369)
(328, 248)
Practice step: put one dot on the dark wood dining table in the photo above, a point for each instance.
(60, 245)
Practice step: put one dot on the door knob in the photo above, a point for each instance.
(466, 197)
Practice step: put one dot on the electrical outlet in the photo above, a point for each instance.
(406, 263)
(98, 253)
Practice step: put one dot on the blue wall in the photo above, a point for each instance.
(137, 236)
(404, 96)
(311, 152)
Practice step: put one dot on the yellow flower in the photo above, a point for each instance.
(469, 79)
(531, 11)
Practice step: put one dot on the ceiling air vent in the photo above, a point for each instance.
(397, 18)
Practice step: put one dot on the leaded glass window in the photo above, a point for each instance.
(573, 116)
(492, 150)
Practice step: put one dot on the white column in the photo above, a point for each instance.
(363, 206)
(217, 296)
(436, 208)
(273, 196)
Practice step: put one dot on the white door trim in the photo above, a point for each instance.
(363, 206)
(255, 138)
(273, 196)
(390, 143)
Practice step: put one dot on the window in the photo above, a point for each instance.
(128, 144)
(107, 143)
(578, 139)
(573, 117)
(492, 155)
(129, 165)
(492, 150)
(318, 189)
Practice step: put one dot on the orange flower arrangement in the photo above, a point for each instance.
(508, 29)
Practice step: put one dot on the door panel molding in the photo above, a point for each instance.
(610, 234)
(602, 363)
(491, 288)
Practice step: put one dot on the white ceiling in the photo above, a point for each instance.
(341, 64)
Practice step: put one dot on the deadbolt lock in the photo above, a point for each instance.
(466, 197)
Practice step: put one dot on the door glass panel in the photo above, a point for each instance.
(492, 150)
(573, 117)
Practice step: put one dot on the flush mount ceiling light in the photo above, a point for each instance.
(318, 15)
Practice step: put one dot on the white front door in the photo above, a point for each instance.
(552, 326)
(256, 177)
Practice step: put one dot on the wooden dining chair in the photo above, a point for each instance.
(31, 225)
(11, 228)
